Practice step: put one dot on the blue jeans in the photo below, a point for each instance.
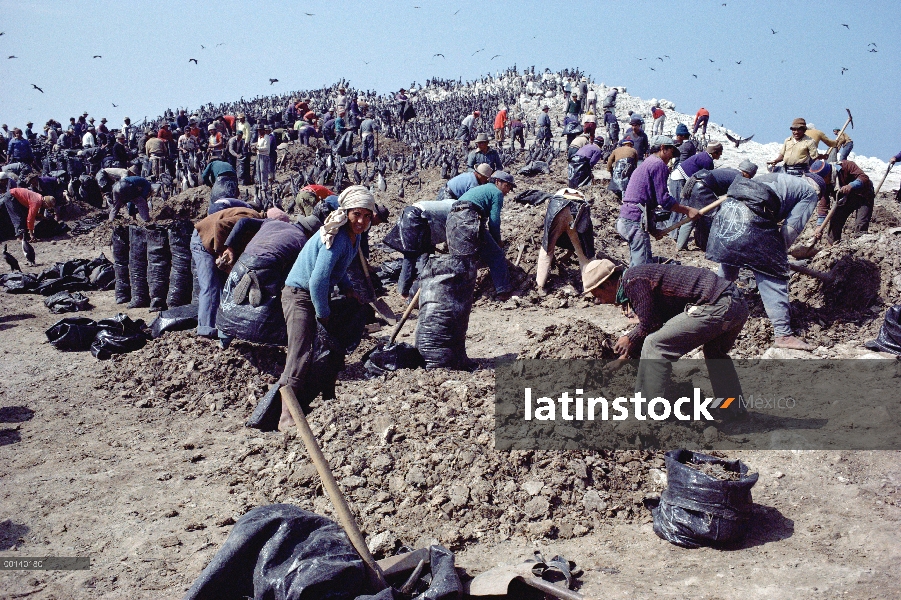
(493, 255)
(639, 241)
(773, 293)
(845, 150)
(211, 281)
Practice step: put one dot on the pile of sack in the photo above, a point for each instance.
(103, 338)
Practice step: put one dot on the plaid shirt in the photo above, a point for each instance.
(658, 293)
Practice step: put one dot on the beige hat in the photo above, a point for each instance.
(799, 122)
(482, 137)
(484, 169)
(596, 273)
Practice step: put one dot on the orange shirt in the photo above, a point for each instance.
(501, 119)
(30, 200)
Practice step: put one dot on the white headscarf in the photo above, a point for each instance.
(356, 196)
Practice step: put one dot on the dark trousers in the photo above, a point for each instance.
(18, 214)
(864, 208)
(518, 135)
(300, 318)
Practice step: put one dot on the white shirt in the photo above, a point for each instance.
(87, 140)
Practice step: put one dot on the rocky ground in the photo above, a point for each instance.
(143, 463)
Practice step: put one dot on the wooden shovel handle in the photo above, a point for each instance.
(373, 571)
(414, 302)
(687, 220)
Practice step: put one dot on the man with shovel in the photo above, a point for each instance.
(855, 194)
(738, 233)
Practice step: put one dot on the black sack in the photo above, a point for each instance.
(383, 359)
(412, 232)
(578, 172)
(534, 168)
(159, 264)
(64, 302)
(532, 197)
(263, 324)
(281, 551)
(464, 229)
(743, 238)
(445, 303)
(19, 283)
(180, 276)
(48, 228)
(137, 267)
(118, 335)
(581, 213)
(72, 333)
(179, 318)
(760, 198)
(889, 338)
(225, 186)
(697, 509)
(120, 263)
(89, 191)
(103, 277)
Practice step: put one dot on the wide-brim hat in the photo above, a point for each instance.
(799, 122)
(482, 137)
(484, 169)
(595, 273)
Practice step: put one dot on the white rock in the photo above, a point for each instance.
(533, 487)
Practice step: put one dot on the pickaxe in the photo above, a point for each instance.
(850, 120)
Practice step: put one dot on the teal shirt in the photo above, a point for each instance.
(214, 170)
(490, 200)
(317, 268)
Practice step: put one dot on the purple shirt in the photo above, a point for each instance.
(898, 157)
(591, 152)
(648, 181)
(693, 164)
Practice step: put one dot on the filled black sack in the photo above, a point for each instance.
(697, 509)
(389, 271)
(889, 337)
(532, 197)
(159, 264)
(72, 333)
(622, 172)
(49, 286)
(740, 236)
(578, 172)
(464, 229)
(180, 275)
(281, 551)
(67, 302)
(383, 359)
(89, 191)
(118, 335)
(262, 324)
(137, 267)
(120, 263)
(19, 283)
(445, 303)
(534, 168)
(412, 232)
(179, 318)
(48, 228)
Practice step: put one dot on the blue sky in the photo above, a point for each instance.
(146, 46)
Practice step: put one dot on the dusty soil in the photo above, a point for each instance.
(143, 462)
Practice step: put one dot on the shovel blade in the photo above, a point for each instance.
(496, 581)
(802, 252)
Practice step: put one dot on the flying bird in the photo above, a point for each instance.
(10, 260)
(310, 14)
(693, 75)
(37, 88)
(477, 51)
(115, 105)
(871, 44)
(97, 56)
(739, 141)
(660, 59)
(645, 58)
(666, 56)
(652, 68)
(843, 70)
(458, 10)
(774, 31)
(873, 50)
(202, 47)
(2, 33)
(271, 81)
(845, 26)
(495, 56)
(439, 54)
(28, 251)
(11, 56)
(194, 60)
(365, 62)
(738, 62)
(220, 44)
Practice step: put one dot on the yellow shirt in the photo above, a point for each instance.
(799, 152)
(818, 136)
(842, 140)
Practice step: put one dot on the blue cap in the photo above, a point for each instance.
(681, 129)
(822, 169)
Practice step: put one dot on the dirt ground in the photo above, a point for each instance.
(143, 462)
